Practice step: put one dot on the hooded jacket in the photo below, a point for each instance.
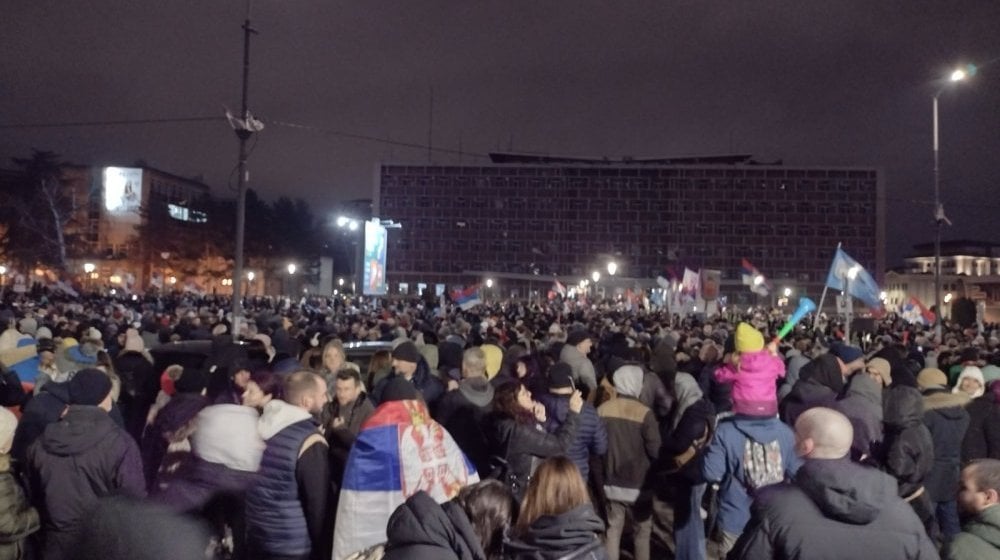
(982, 438)
(44, 409)
(820, 383)
(755, 382)
(862, 405)
(946, 418)
(430, 387)
(909, 449)
(420, 529)
(17, 518)
(724, 463)
(461, 412)
(572, 535)
(633, 444)
(834, 509)
(78, 460)
(979, 539)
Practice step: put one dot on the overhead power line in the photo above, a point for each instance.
(70, 124)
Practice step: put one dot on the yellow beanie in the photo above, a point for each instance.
(494, 358)
(748, 339)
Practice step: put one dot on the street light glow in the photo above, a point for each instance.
(3, 269)
(788, 292)
(852, 272)
(89, 267)
(489, 282)
(612, 268)
(352, 225)
(250, 275)
(758, 280)
(341, 221)
(958, 75)
(882, 295)
(291, 268)
(947, 297)
(595, 276)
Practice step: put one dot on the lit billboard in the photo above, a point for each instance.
(123, 192)
(376, 238)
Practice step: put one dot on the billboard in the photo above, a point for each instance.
(123, 192)
(376, 237)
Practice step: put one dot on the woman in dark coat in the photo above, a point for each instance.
(557, 520)
(470, 527)
(517, 439)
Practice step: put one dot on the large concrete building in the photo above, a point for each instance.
(525, 217)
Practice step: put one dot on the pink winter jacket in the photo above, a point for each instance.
(755, 388)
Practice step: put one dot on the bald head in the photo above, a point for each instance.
(823, 433)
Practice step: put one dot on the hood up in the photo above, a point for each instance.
(844, 491)
(478, 390)
(81, 429)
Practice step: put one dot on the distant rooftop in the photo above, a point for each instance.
(727, 159)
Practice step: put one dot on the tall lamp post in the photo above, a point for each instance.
(352, 225)
(939, 217)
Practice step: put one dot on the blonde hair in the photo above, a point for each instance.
(555, 488)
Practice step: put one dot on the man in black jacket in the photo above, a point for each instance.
(835, 508)
(80, 459)
(462, 409)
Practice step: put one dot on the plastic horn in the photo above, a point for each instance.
(806, 306)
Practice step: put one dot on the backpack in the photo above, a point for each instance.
(763, 464)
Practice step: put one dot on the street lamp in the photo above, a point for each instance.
(489, 282)
(788, 292)
(291, 268)
(958, 75)
(351, 224)
(89, 268)
(612, 268)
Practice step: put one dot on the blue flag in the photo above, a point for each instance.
(863, 286)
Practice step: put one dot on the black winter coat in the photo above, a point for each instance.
(909, 449)
(78, 460)
(420, 529)
(17, 518)
(835, 509)
(461, 412)
(44, 409)
(523, 446)
(947, 420)
(982, 439)
(697, 417)
(140, 384)
(569, 536)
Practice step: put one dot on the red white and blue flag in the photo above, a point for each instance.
(753, 278)
(914, 311)
(466, 299)
(399, 451)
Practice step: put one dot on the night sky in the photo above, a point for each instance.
(810, 83)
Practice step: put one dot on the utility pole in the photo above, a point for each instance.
(243, 133)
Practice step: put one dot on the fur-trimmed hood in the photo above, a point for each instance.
(937, 399)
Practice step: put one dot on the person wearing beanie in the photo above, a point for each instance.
(591, 435)
(17, 518)
(880, 370)
(948, 421)
(754, 372)
(633, 445)
(982, 438)
(851, 358)
(409, 365)
(80, 459)
(574, 352)
(970, 382)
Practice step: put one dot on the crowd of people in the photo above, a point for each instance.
(513, 430)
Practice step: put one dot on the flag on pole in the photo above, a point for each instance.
(754, 279)
(914, 311)
(468, 298)
(558, 288)
(862, 286)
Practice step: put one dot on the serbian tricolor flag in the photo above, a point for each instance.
(399, 451)
(753, 278)
(466, 299)
(914, 311)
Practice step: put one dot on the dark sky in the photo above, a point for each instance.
(812, 83)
